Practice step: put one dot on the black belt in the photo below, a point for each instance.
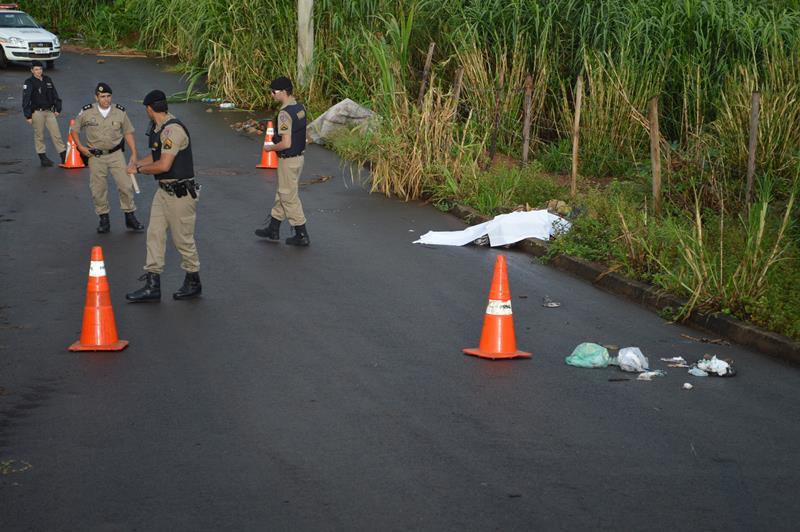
(97, 152)
(180, 188)
(44, 108)
(289, 156)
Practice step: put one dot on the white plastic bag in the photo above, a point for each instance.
(631, 359)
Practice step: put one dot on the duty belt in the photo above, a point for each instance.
(97, 152)
(290, 156)
(180, 188)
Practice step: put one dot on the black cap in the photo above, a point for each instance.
(36, 63)
(154, 96)
(281, 84)
(102, 88)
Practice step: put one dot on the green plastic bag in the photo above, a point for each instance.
(589, 355)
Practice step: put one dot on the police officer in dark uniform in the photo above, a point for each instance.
(41, 105)
(290, 143)
(174, 203)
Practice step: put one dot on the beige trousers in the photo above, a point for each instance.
(99, 168)
(46, 120)
(287, 199)
(177, 215)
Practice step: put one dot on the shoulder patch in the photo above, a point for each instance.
(121, 108)
(86, 107)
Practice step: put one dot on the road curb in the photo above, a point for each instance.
(654, 298)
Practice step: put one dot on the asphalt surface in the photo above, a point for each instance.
(325, 388)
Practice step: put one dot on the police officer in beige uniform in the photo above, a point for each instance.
(41, 105)
(174, 203)
(108, 129)
(290, 143)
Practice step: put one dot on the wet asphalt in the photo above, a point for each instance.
(325, 388)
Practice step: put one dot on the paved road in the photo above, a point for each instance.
(325, 389)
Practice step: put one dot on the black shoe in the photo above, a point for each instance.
(63, 156)
(271, 232)
(105, 224)
(151, 291)
(44, 160)
(132, 223)
(191, 287)
(300, 237)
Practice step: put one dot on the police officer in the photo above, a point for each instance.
(41, 105)
(107, 129)
(290, 143)
(174, 203)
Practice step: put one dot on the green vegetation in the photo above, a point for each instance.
(703, 60)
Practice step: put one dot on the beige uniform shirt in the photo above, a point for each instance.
(173, 137)
(103, 133)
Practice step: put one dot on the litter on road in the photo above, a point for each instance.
(676, 362)
(504, 229)
(589, 355)
(549, 303)
(632, 360)
(697, 372)
(687, 386)
(648, 375)
(715, 366)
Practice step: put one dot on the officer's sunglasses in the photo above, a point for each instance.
(276, 91)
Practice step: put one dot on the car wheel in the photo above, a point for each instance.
(51, 65)
(3, 60)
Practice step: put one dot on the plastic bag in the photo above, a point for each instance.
(716, 366)
(648, 375)
(589, 355)
(631, 359)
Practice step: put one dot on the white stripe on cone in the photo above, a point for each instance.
(499, 308)
(97, 268)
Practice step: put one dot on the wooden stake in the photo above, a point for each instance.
(526, 124)
(755, 105)
(576, 127)
(498, 96)
(457, 86)
(425, 73)
(655, 153)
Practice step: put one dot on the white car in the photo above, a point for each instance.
(22, 39)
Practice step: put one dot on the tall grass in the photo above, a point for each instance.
(701, 58)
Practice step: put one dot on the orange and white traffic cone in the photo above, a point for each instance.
(497, 337)
(99, 331)
(73, 158)
(269, 159)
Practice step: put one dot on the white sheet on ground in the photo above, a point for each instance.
(502, 230)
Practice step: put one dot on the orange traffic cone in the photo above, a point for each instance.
(73, 158)
(497, 338)
(269, 159)
(99, 332)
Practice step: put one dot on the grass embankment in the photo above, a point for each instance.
(703, 60)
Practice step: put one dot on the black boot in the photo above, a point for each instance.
(191, 287)
(300, 237)
(132, 223)
(271, 232)
(105, 224)
(151, 291)
(44, 160)
(63, 156)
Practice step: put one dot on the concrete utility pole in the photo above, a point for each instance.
(305, 40)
